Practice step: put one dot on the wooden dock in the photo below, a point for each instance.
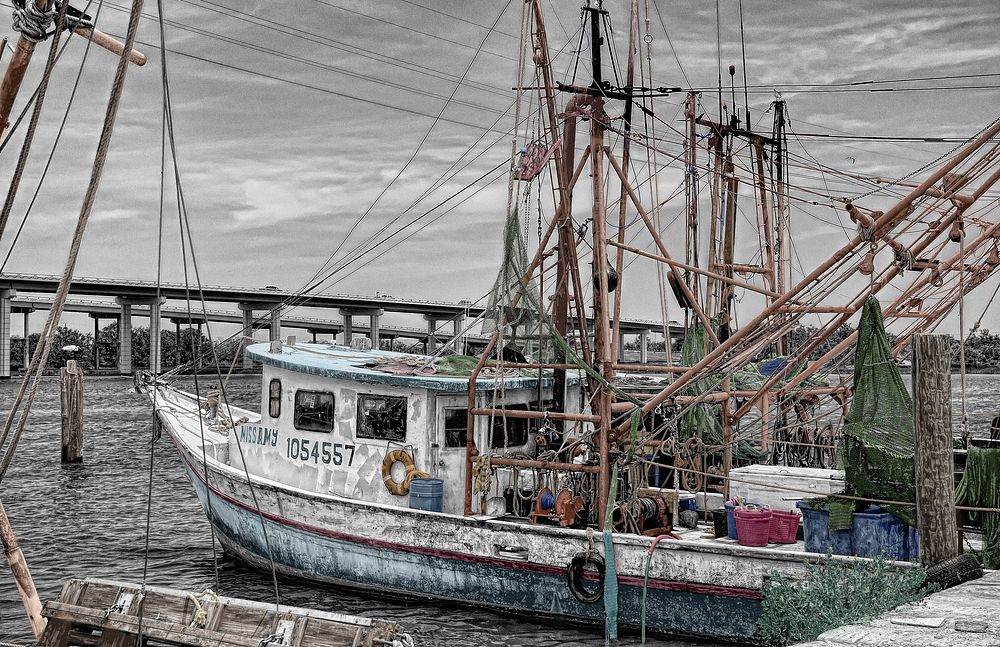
(104, 613)
(963, 616)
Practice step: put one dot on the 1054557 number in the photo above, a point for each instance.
(315, 451)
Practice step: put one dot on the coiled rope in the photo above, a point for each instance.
(32, 22)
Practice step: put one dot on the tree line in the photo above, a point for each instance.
(174, 350)
(982, 347)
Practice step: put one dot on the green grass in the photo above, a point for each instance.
(834, 594)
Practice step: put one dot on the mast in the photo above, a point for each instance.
(14, 75)
(633, 33)
(691, 187)
(604, 362)
(784, 243)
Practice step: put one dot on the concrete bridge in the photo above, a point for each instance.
(256, 308)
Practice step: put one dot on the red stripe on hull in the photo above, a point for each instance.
(627, 580)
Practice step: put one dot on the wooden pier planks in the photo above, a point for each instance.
(104, 613)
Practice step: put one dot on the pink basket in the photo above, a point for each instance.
(752, 526)
(784, 526)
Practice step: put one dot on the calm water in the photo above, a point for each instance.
(89, 520)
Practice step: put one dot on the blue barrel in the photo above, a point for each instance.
(730, 519)
(913, 543)
(874, 532)
(816, 531)
(426, 494)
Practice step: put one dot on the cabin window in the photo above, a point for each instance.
(274, 398)
(455, 427)
(314, 411)
(517, 429)
(381, 417)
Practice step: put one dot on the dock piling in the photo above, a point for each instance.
(71, 399)
(934, 467)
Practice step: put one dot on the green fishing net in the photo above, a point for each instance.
(979, 488)
(876, 444)
(523, 327)
(704, 420)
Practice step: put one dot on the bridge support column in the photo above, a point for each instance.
(348, 328)
(374, 332)
(374, 319)
(125, 332)
(27, 314)
(458, 324)
(5, 297)
(177, 342)
(643, 346)
(125, 337)
(431, 344)
(275, 323)
(98, 317)
(246, 335)
(97, 344)
(155, 343)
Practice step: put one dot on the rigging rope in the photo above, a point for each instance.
(38, 360)
(36, 113)
(55, 143)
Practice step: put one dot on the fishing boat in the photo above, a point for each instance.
(545, 475)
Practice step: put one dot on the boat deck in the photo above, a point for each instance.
(704, 533)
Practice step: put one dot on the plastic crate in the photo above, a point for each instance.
(753, 526)
(784, 526)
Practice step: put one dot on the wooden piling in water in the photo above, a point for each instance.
(934, 463)
(71, 398)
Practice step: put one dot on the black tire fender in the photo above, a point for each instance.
(954, 571)
(574, 577)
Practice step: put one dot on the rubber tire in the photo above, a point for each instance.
(574, 577)
(954, 571)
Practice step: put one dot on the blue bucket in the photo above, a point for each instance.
(874, 532)
(816, 531)
(730, 520)
(913, 543)
(427, 494)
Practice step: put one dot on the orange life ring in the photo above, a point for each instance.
(399, 456)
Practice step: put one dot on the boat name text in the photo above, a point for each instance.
(259, 435)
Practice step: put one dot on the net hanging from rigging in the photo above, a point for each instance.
(525, 327)
(876, 444)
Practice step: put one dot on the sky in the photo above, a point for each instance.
(292, 118)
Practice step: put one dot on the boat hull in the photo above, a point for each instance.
(330, 557)
(696, 587)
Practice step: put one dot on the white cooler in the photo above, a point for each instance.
(780, 487)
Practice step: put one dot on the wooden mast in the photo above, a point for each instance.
(22, 57)
(602, 331)
(633, 34)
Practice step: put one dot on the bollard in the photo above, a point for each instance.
(71, 398)
(934, 462)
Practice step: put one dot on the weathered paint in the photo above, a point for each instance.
(331, 557)
(697, 587)
(341, 362)
(281, 460)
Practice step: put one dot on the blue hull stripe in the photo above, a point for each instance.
(529, 589)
